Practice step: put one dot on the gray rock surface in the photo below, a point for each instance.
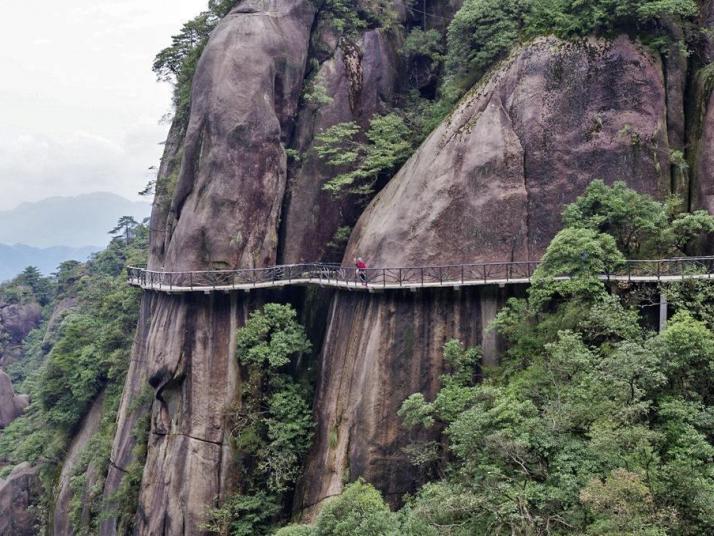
(61, 523)
(18, 492)
(224, 213)
(489, 184)
(11, 405)
(16, 321)
(233, 175)
(361, 80)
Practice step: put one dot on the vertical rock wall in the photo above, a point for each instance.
(230, 169)
(360, 79)
(489, 184)
(379, 349)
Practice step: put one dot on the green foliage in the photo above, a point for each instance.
(272, 425)
(270, 337)
(360, 509)
(65, 370)
(349, 18)
(484, 31)
(360, 164)
(592, 424)
(339, 240)
(126, 226)
(623, 504)
(641, 226)
(243, 515)
(296, 530)
(424, 52)
(424, 44)
(582, 254)
(481, 33)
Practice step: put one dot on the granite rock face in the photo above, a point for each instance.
(18, 493)
(11, 404)
(231, 171)
(489, 184)
(61, 523)
(16, 321)
(379, 349)
(361, 80)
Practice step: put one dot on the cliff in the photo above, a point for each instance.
(488, 184)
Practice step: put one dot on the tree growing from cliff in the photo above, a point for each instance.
(177, 63)
(641, 226)
(592, 424)
(360, 509)
(272, 425)
(361, 159)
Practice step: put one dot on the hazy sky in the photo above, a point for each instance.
(80, 109)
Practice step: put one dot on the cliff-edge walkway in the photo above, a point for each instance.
(457, 275)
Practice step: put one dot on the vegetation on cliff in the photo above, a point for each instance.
(593, 423)
(484, 31)
(69, 362)
(177, 62)
(272, 424)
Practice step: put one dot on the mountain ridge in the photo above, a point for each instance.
(73, 221)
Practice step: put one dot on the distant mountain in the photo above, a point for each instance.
(74, 222)
(14, 259)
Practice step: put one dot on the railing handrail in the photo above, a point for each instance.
(333, 274)
(425, 267)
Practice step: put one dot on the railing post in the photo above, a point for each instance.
(384, 278)
(400, 277)
(462, 274)
(422, 276)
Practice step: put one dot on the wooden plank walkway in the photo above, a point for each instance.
(387, 279)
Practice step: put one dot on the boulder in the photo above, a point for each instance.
(11, 405)
(228, 198)
(18, 493)
(16, 322)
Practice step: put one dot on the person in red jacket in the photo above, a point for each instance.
(361, 269)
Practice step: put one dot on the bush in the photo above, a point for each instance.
(361, 510)
(388, 145)
(272, 426)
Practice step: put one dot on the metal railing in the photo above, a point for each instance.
(336, 275)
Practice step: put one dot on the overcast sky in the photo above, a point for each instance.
(80, 109)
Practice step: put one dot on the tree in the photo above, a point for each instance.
(177, 63)
(361, 164)
(359, 509)
(272, 426)
(484, 31)
(125, 226)
(592, 424)
(641, 226)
